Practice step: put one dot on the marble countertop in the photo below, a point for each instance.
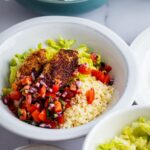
(125, 17)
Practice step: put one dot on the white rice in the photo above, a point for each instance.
(82, 112)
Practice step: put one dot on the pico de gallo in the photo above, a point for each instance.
(45, 82)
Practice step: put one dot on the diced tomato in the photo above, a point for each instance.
(84, 69)
(107, 79)
(14, 86)
(58, 106)
(42, 115)
(70, 94)
(101, 76)
(26, 80)
(68, 105)
(15, 95)
(42, 91)
(23, 114)
(52, 95)
(61, 119)
(93, 56)
(55, 88)
(107, 68)
(90, 95)
(35, 116)
(95, 73)
(34, 107)
(51, 123)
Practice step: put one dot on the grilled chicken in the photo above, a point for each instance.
(60, 69)
(33, 62)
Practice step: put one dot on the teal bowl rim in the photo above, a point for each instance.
(46, 8)
(62, 1)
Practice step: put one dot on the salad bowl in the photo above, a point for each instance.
(112, 49)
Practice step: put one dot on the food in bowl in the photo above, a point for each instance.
(135, 136)
(58, 86)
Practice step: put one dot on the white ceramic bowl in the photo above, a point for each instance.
(114, 51)
(112, 125)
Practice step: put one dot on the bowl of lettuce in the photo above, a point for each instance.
(27, 35)
(128, 129)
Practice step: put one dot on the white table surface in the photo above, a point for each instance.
(126, 17)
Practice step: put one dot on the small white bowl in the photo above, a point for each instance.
(113, 124)
(113, 50)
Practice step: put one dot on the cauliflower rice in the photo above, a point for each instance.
(81, 112)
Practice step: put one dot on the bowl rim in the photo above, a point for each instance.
(64, 134)
(114, 114)
(62, 1)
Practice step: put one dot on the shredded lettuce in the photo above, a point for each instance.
(52, 44)
(50, 52)
(6, 91)
(133, 137)
(52, 48)
(13, 72)
(84, 56)
(66, 44)
(60, 44)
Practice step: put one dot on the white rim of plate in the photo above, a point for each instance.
(63, 134)
(141, 48)
(26, 147)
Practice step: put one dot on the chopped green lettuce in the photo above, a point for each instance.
(133, 137)
(13, 72)
(50, 52)
(84, 56)
(52, 48)
(60, 44)
(6, 91)
(52, 44)
(39, 46)
(66, 44)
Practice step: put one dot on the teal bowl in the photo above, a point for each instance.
(61, 7)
